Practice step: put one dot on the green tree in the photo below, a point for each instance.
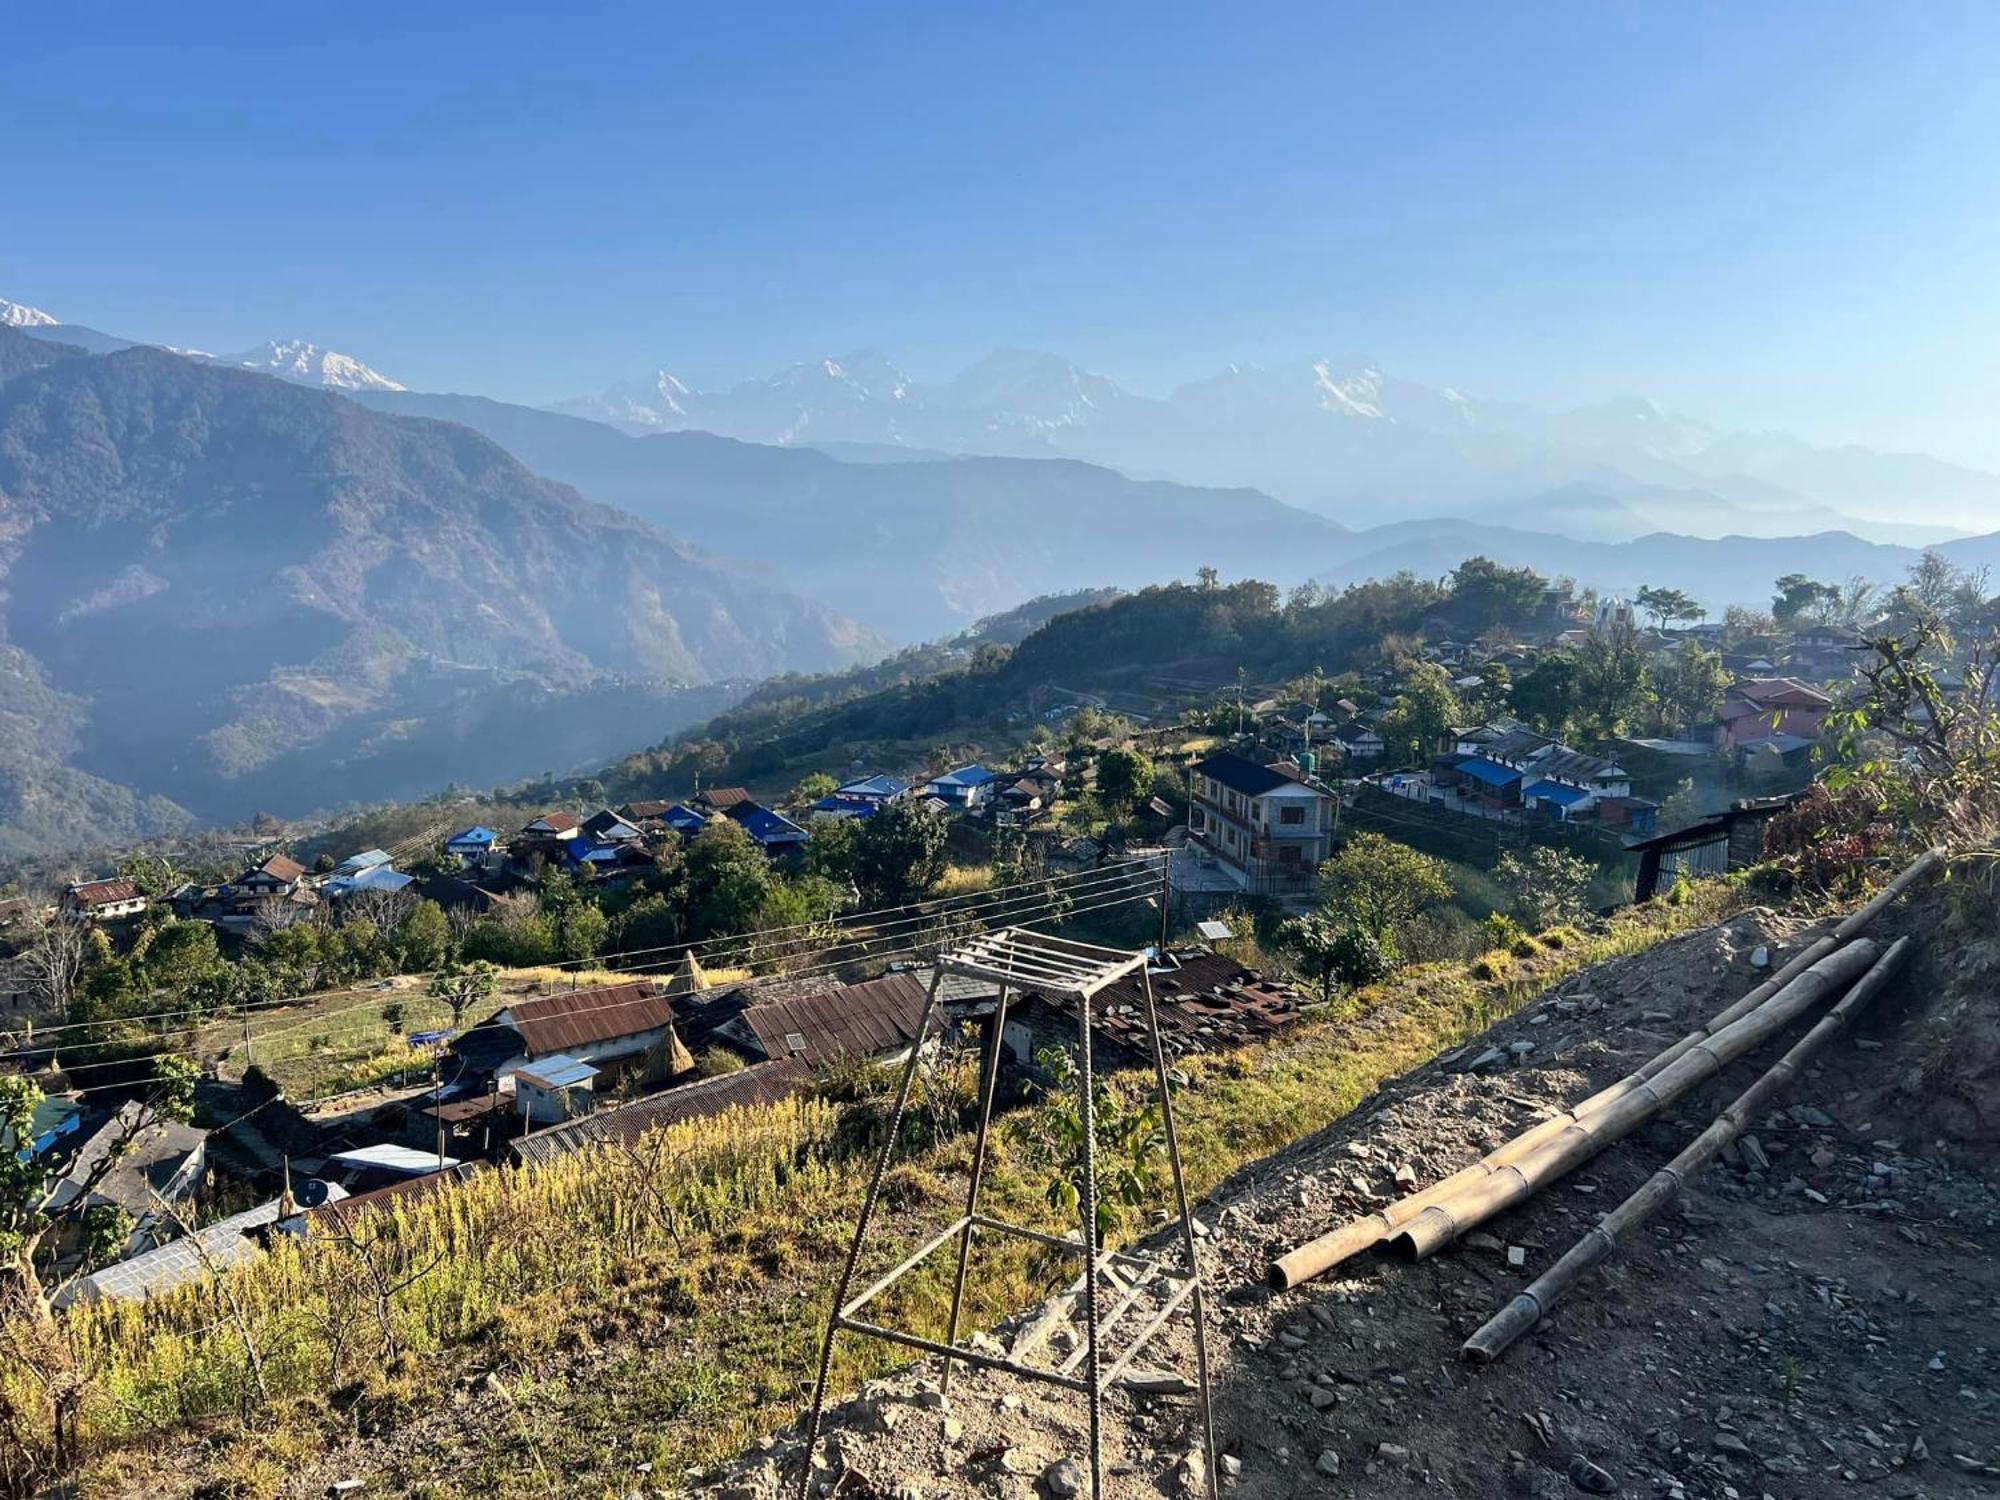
(182, 957)
(1610, 682)
(830, 849)
(1424, 713)
(1545, 695)
(583, 932)
(462, 986)
(1484, 594)
(1667, 606)
(1379, 885)
(1689, 687)
(154, 875)
(1801, 597)
(899, 854)
(728, 879)
(1124, 779)
(1545, 888)
(1333, 952)
(425, 939)
(811, 788)
(650, 922)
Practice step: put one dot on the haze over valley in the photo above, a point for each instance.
(301, 583)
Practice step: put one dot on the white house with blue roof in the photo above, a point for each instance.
(861, 798)
(473, 846)
(965, 787)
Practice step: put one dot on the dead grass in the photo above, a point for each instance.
(629, 1344)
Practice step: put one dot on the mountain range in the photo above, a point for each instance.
(1338, 436)
(224, 592)
(914, 550)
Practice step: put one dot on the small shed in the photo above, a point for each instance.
(551, 1090)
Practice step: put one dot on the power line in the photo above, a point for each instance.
(793, 977)
(1146, 893)
(762, 937)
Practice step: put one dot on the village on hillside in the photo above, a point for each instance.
(219, 1066)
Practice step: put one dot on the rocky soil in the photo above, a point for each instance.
(1818, 1316)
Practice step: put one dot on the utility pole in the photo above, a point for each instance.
(1166, 894)
(437, 1106)
(249, 1054)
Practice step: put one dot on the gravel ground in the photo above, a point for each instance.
(1819, 1315)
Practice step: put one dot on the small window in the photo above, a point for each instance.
(795, 1040)
(1291, 813)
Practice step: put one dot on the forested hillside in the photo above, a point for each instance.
(233, 593)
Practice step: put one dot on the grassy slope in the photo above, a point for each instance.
(664, 1311)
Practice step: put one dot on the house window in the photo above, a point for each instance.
(1293, 814)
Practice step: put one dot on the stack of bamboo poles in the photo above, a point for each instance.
(1426, 1221)
(1521, 1315)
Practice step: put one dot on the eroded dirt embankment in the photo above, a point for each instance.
(1819, 1315)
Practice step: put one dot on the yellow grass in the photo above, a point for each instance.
(712, 1244)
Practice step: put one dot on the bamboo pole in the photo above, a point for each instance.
(1441, 1223)
(1520, 1316)
(1318, 1256)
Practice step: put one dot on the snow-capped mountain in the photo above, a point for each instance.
(306, 363)
(14, 315)
(1339, 435)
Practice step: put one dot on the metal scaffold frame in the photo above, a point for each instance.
(1018, 961)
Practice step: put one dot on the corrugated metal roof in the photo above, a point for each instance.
(558, 1072)
(1204, 1000)
(763, 1083)
(557, 1023)
(967, 776)
(1573, 765)
(389, 1157)
(1481, 769)
(224, 1243)
(104, 892)
(1562, 796)
(854, 1020)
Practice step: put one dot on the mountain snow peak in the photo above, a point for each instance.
(18, 315)
(306, 363)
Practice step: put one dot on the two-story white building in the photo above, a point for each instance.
(1265, 828)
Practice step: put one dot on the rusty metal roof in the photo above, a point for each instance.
(854, 1020)
(1206, 1002)
(555, 1023)
(763, 1083)
(103, 892)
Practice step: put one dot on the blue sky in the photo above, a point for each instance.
(1769, 215)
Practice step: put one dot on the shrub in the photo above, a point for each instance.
(715, 1062)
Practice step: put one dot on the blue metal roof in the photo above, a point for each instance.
(767, 827)
(477, 834)
(682, 818)
(1491, 772)
(1556, 792)
(846, 807)
(972, 775)
(367, 859)
(875, 786)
